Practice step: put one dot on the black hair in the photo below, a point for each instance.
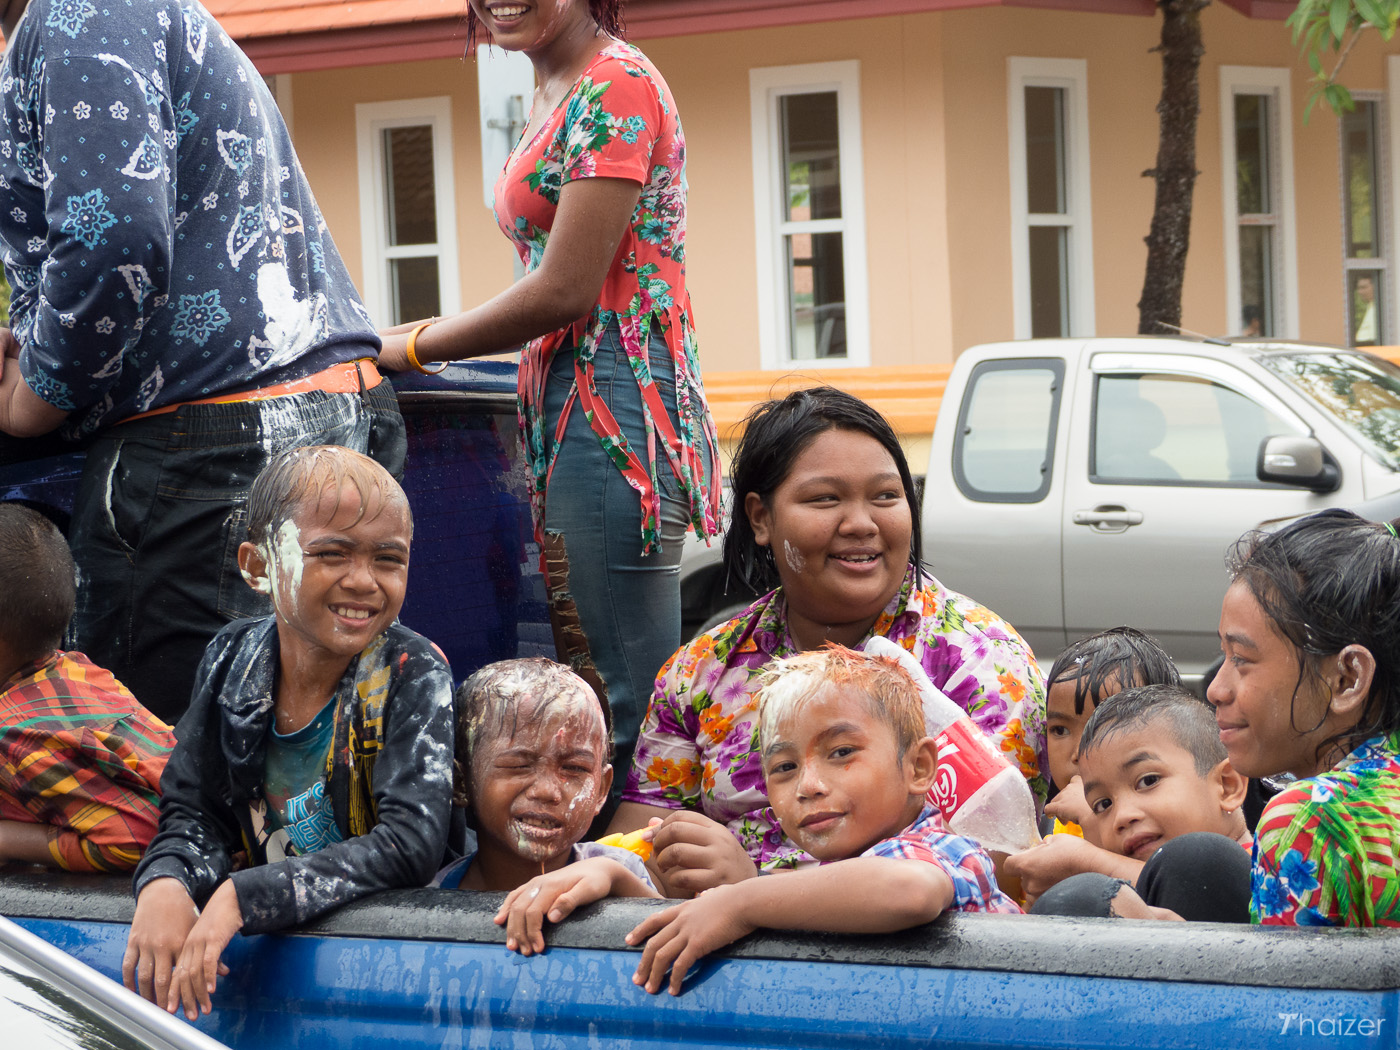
(1121, 654)
(1327, 581)
(1188, 720)
(296, 474)
(776, 433)
(38, 580)
(607, 13)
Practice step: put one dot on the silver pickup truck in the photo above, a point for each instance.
(1077, 484)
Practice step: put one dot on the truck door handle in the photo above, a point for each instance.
(1108, 518)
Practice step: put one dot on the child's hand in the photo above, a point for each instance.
(1051, 861)
(1070, 806)
(165, 914)
(199, 967)
(682, 935)
(694, 854)
(554, 897)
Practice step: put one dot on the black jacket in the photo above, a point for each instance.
(390, 781)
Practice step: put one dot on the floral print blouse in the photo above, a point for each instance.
(698, 747)
(1326, 848)
(619, 121)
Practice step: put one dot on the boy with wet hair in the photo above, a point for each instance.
(318, 742)
(82, 758)
(1164, 815)
(848, 766)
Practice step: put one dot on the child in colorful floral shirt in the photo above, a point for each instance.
(1311, 686)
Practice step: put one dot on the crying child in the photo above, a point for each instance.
(532, 771)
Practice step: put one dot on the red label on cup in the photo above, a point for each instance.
(966, 761)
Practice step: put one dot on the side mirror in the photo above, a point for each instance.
(1300, 461)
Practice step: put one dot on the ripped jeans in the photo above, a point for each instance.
(629, 604)
(161, 511)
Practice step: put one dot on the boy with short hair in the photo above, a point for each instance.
(318, 740)
(81, 758)
(848, 767)
(1164, 815)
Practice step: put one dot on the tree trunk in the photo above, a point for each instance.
(1159, 309)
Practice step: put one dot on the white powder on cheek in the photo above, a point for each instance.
(284, 561)
(793, 557)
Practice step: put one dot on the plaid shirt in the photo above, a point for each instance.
(964, 861)
(82, 756)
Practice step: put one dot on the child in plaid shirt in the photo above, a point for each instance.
(848, 767)
(81, 758)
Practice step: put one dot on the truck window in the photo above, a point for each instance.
(1362, 392)
(1176, 429)
(1005, 441)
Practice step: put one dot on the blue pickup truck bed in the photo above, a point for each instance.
(428, 969)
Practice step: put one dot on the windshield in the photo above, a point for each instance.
(1363, 392)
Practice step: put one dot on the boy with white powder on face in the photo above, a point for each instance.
(318, 741)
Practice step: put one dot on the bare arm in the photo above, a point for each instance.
(558, 894)
(860, 895)
(588, 227)
(23, 413)
(26, 843)
(1059, 857)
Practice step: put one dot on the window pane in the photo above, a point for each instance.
(1045, 150)
(412, 203)
(1360, 391)
(1252, 169)
(811, 156)
(1256, 280)
(1006, 432)
(415, 288)
(1364, 292)
(1178, 428)
(1359, 181)
(817, 294)
(1049, 281)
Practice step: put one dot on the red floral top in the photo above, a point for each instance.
(619, 121)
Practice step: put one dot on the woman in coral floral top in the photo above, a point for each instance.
(825, 509)
(619, 443)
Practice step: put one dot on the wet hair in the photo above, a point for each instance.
(38, 580)
(1121, 654)
(1327, 581)
(1186, 719)
(885, 688)
(607, 13)
(501, 697)
(776, 433)
(297, 474)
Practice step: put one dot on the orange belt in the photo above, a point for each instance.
(348, 377)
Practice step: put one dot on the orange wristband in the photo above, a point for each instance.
(413, 356)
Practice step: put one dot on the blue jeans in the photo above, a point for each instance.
(161, 511)
(629, 605)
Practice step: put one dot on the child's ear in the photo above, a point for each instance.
(921, 766)
(1350, 676)
(253, 567)
(604, 787)
(1233, 786)
(758, 517)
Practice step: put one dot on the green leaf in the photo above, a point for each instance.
(1339, 98)
(1372, 12)
(1338, 16)
(1315, 62)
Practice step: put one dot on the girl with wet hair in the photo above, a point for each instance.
(1310, 686)
(826, 521)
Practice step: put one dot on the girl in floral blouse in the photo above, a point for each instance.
(825, 512)
(1311, 686)
(619, 444)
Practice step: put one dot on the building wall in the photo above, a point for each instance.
(935, 149)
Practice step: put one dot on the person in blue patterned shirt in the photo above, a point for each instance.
(177, 302)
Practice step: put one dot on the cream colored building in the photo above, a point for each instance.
(955, 174)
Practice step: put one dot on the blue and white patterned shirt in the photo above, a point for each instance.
(965, 862)
(158, 233)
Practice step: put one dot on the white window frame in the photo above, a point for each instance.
(766, 87)
(371, 120)
(1274, 82)
(1390, 116)
(1382, 262)
(1071, 75)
